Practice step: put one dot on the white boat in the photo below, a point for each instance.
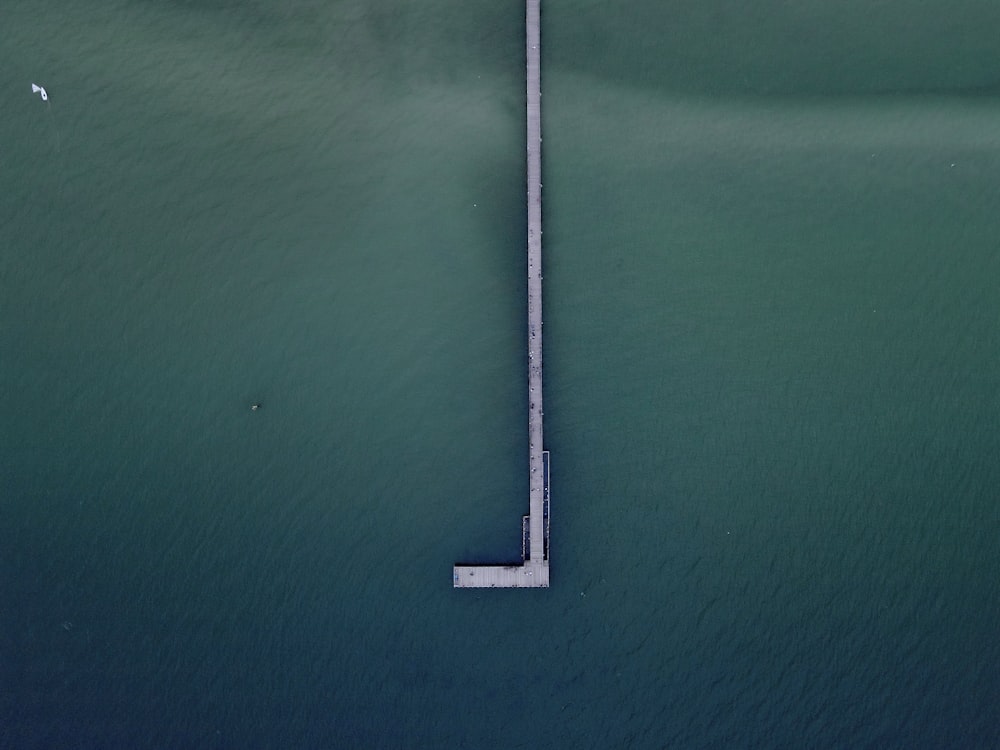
(36, 89)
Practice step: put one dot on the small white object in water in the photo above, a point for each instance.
(36, 89)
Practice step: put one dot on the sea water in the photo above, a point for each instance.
(771, 380)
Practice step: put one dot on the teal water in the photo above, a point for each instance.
(771, 380)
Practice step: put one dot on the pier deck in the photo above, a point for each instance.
(533, 572)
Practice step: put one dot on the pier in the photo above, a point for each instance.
(533, 570)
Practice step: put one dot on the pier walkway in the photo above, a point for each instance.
(533, 572)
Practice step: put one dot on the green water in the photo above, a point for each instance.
(771, 380)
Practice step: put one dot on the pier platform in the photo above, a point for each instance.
(533, 572)
(526, 575)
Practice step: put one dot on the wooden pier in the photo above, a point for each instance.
(533, 572)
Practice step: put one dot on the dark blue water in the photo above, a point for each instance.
(771, 311)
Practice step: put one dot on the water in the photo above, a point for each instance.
(770, 356)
